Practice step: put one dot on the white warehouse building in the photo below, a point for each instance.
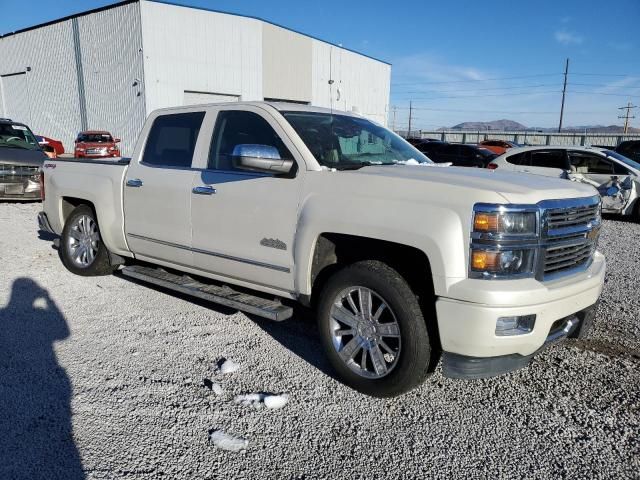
(108, 68)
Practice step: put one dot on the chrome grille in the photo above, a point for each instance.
(570, 217)
(570, 236)
(16, 173)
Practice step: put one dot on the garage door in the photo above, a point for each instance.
(197, 98)
(16, 100)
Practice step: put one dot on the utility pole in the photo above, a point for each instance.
(410, 112)
(627, 116)
(564, 91)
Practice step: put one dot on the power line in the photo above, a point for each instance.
(546, 92)
(602, 93)
(513, 112)
(480, 89)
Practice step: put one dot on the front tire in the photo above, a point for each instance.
(81, 248)
(373, 330)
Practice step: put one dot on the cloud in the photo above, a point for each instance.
(565, 37)
(620, 46)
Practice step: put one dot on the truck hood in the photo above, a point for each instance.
(20, 156)
(514, 187)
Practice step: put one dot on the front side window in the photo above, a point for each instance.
(590, 163)
(172, 140)
(13, 135)
(237, 127)
(549, 159)
(343, 142)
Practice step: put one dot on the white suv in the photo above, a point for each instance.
(617, 178)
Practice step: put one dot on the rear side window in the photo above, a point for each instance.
(236, 127)
(172, 139)
(519, 159)
(550, 159)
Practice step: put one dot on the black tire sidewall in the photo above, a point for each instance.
(415, 353)
(101, 264)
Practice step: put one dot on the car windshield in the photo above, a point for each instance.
(622, 158)
(13, 135)
(95, 138)
(345, 142)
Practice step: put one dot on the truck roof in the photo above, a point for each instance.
(280, 106)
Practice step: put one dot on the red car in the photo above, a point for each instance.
(56, 144)
(96, 144)
(498, 146)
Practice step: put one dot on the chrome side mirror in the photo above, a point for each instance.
(260, 158)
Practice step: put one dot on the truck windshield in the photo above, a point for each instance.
(346, 142)
(13, 135)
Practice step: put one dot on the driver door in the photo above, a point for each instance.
(244, 222)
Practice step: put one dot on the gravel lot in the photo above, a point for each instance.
(103, 378)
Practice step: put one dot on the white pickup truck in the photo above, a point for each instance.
(258, 205)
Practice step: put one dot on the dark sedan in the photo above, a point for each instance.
(459, 155)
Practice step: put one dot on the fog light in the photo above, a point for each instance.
(516, 325)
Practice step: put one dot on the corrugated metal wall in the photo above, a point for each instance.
(51, 104)
(187, 49)
(81, 76)
(359, 83)
(112, 67)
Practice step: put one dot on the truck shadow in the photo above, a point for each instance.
(36, 438)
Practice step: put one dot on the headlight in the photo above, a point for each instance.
(504, 241)
(500, 263)
(506, 223)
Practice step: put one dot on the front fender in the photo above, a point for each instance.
(438, 231)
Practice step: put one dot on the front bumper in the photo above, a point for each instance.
(466, 367)
(467, 328)
(26, 190)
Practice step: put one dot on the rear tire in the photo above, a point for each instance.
(81, 248)
(373, 330)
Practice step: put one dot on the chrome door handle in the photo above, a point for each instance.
(134, 182)
(204, 190)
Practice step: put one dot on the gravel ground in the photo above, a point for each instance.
(103, 378)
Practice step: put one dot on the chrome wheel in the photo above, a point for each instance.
(365, 332)
(82, 241)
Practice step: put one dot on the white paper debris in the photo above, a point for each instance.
(217, 388)
(275, 401)
(258, 400)
(228, 442)
(229, 366)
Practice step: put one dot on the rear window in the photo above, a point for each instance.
(549, 159)
(172, 140)
(518, 159)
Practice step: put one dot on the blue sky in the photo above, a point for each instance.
(459, 61)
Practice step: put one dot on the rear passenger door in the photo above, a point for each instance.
(157, 191)
(244, 222)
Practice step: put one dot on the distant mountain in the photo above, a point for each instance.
(493, 125)
(510, 126)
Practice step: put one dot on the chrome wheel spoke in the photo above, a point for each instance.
(377, 358)
(342, 315)
(350, 349)
(386, 347)
(91, 254)
(345, 331)
(379, 311)
(363, 360)
(388, 330)
(352, 303)
(364, 297)
(75, 234)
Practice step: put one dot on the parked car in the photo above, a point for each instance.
(96, 144)
(21, 159)
(404, 262)
(498, 146)
(616, 177)
(418, 141)
(459, 155)
(630, 149)
(56, 144)
(46, 147)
